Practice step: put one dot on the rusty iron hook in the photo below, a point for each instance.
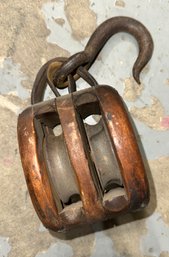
(98, 39)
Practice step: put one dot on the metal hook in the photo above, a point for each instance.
(98, 39)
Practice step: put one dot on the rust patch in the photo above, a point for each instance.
(81, 18)
(132, 90)
(152, 115)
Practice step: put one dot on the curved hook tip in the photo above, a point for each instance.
(136, 76)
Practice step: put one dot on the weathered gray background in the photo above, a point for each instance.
(32, 32)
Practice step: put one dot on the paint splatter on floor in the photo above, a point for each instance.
(151, 115)
(132, 90)
(4, 247)
(120, 3)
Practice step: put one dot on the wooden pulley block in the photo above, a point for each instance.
(79, 173)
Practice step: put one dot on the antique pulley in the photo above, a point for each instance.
(83, 173)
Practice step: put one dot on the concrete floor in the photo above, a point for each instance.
(32, 32)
